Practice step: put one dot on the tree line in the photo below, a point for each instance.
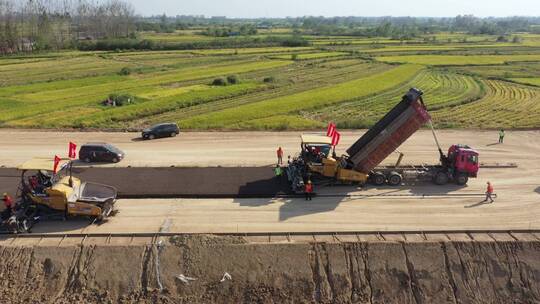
(30, 25)
(233, 42)
(33, 25)
(408, 27)
(392, 27)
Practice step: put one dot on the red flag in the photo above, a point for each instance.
(331, 129)
(72, 150)
(56, 163)
(335, 138)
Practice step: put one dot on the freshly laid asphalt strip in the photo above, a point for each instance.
(9, 181)
(174, 182)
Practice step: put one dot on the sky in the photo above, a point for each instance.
(294, 8)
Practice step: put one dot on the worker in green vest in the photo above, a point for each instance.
(501, 136)
(278, 171)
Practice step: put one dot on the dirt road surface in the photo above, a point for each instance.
(449, 207)
(494, 268)
(248, 149)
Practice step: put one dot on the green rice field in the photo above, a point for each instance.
(469, 82)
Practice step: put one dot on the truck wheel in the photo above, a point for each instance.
(441, 178)
(378, 178)
(394, 179)
(462, 179)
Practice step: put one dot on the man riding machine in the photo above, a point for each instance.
(51, 192)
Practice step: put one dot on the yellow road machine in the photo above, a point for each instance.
(44, 194)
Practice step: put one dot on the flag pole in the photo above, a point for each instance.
(71, 173)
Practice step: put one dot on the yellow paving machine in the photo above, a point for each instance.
(44, 194)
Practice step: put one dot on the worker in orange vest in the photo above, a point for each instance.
(308, 190)
(489, 193)
(279, 156)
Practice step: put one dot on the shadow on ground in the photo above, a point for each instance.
(277, 191)
(422, 188)
(480, 203)
(295, 206)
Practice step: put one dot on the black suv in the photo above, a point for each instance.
(161, 130)
(100, 152)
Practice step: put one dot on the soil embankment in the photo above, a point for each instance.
(191, 269)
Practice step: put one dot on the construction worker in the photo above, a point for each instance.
(8, 203)
(489, 193)
(308, 190)
(279, 156)
(278, 171)
(34, 183)
(501, 136)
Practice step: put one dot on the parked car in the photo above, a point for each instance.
(100, 152)
(161, 130)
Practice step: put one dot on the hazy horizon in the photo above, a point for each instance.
(292, 8)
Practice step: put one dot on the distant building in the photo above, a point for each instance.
(218, 18)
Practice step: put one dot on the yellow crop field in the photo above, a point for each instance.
(505, 105)
(458, 59)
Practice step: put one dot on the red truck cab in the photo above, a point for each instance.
(463, 160)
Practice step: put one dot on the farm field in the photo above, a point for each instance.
(469, 82)
(307, 56)
(458, 60)
(441, 90)
(235, 117)
(504, 104)
(531, 81)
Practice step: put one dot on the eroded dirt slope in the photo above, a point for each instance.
(356, 272)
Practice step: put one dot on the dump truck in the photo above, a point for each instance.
(362, 162)
(46, 194)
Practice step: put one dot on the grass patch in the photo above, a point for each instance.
(109, 117)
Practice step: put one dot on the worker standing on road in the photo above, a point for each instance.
(8, 203)
(489, 193)
(501, 136)
(279, 156)
(278, 171)
(308, 190)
